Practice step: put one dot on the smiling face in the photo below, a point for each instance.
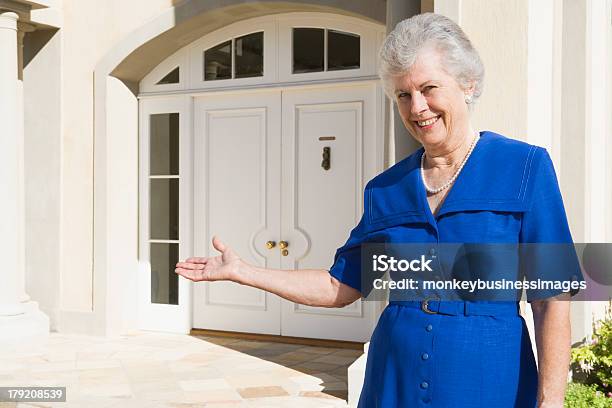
(431, 103)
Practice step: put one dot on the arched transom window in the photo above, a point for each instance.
(291, 47)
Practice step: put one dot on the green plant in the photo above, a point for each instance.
(592, 362)
(585, 396)
(591, 365)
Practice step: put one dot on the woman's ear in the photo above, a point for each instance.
(470, 89)
(469, 93)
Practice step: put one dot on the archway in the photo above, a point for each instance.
(115, 139)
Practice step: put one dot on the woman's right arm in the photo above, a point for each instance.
(312, 287)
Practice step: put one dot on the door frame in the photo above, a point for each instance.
(179, 318)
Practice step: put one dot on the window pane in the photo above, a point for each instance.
(164, 208)
(249, 55)
(164, 281)
(218, 62)
(171, 78)
(342, 50)
(164, 155)
(308, 50)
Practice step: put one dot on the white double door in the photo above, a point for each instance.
(259, 178)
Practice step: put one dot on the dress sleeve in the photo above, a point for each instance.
(546, 245)
(347, 260)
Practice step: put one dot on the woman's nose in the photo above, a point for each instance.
(419, 104)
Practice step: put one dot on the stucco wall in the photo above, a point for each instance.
(89, 30)
(498, 29)
(42, 163)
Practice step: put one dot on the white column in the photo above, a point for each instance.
(540, 73)
(9, 164)
(21, 323)
(22, 28)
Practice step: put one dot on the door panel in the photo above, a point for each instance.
(259, 177)
(320, 206)
(237, 153)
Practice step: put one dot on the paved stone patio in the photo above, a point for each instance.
(146, 369)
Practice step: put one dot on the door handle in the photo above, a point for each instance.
(283, 246)
(326, 158)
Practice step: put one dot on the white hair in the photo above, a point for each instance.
(459, 57)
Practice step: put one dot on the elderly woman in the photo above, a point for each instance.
(460, 187)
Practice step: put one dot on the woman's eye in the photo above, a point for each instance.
(429, 88)
(403, 95)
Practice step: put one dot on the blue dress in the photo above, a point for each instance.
(465, 353)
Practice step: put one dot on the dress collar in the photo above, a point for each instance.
(494, 178)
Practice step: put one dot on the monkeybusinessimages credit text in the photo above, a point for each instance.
(384, 263)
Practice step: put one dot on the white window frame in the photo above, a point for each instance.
(278, 62)
(196, 54)
(154, 316)
(179, 59)
(367, 45)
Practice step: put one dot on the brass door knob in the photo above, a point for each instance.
(283, 244)
(270, 244)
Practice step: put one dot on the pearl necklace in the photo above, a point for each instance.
(454, 177)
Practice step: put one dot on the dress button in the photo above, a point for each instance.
(424, 356)
(432, 251)
(424, 384)
(429, 327)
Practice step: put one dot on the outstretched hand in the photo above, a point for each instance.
(212, 268)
